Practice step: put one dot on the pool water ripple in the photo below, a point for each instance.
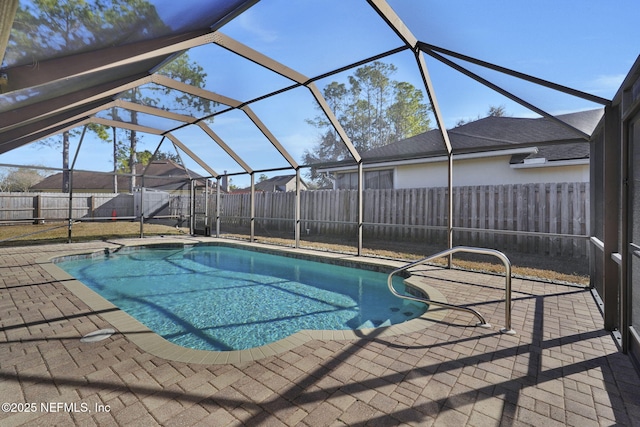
(222, 298)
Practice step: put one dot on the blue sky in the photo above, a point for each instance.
(584, 44)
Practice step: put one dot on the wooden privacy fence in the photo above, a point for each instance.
(419, 214)
(55, 206)
(559, 210)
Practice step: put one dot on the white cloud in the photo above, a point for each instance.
(250, 23)
(606, 84)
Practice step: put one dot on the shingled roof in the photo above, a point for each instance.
(276, 183)
(554, 141)
(161, 175)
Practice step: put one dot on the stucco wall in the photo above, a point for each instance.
(485, 171)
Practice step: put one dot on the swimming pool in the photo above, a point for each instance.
(224, 298)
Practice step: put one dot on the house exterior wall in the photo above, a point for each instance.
(80, 190)
(291, 186)
(183, 192)
(485, 171)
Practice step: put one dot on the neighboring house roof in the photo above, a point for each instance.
(168, 175)
(554, 153)
(554, 141)
(276, 183)
(161, 175)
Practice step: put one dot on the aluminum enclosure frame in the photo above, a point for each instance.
(137, 63)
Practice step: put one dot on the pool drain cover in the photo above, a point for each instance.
(98, 335)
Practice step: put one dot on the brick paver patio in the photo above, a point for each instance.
(561, 368)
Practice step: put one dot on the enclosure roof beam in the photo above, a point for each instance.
(225, 147)
(125, 125)
(397, 25)
(196, 91)
(101, 93)
(321, 77)
(267, 133)
(104, 96)
(392, 19)
(127, 105)
(42, 128)
(252, 55)
(104, 59)
(69, 126)
(233, 103)
(281, 69)
(37, 135)
(334, 121)
(61, 128)
(191, 154)
(64, 124)
(426, 79)
(570, 91)
(508, 94)
(153, 156)
(121, 104)
(31, 123)
(8, 10)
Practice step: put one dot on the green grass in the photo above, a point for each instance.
(543, 268)
(57, 232)
(550, 269)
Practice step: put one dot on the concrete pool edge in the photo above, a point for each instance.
(154, 344)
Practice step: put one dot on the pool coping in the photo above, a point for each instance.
(154, 344)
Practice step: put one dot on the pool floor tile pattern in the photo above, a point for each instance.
(560, 369)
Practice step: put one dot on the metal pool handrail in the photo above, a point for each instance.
(466, 249)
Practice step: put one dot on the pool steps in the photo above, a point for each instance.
(158, 346)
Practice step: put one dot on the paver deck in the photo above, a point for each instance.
(561, 368)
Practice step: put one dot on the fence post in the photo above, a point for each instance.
(360, 205)
(564, 217)
(192, 207)
(252, 209)
(544, 208)
(218, 180)
(37, 209)
(70, 219)
(142, 208)
(554, 247)
(296, 209)
(449, 199)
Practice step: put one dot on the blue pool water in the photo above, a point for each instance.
(223, 298)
